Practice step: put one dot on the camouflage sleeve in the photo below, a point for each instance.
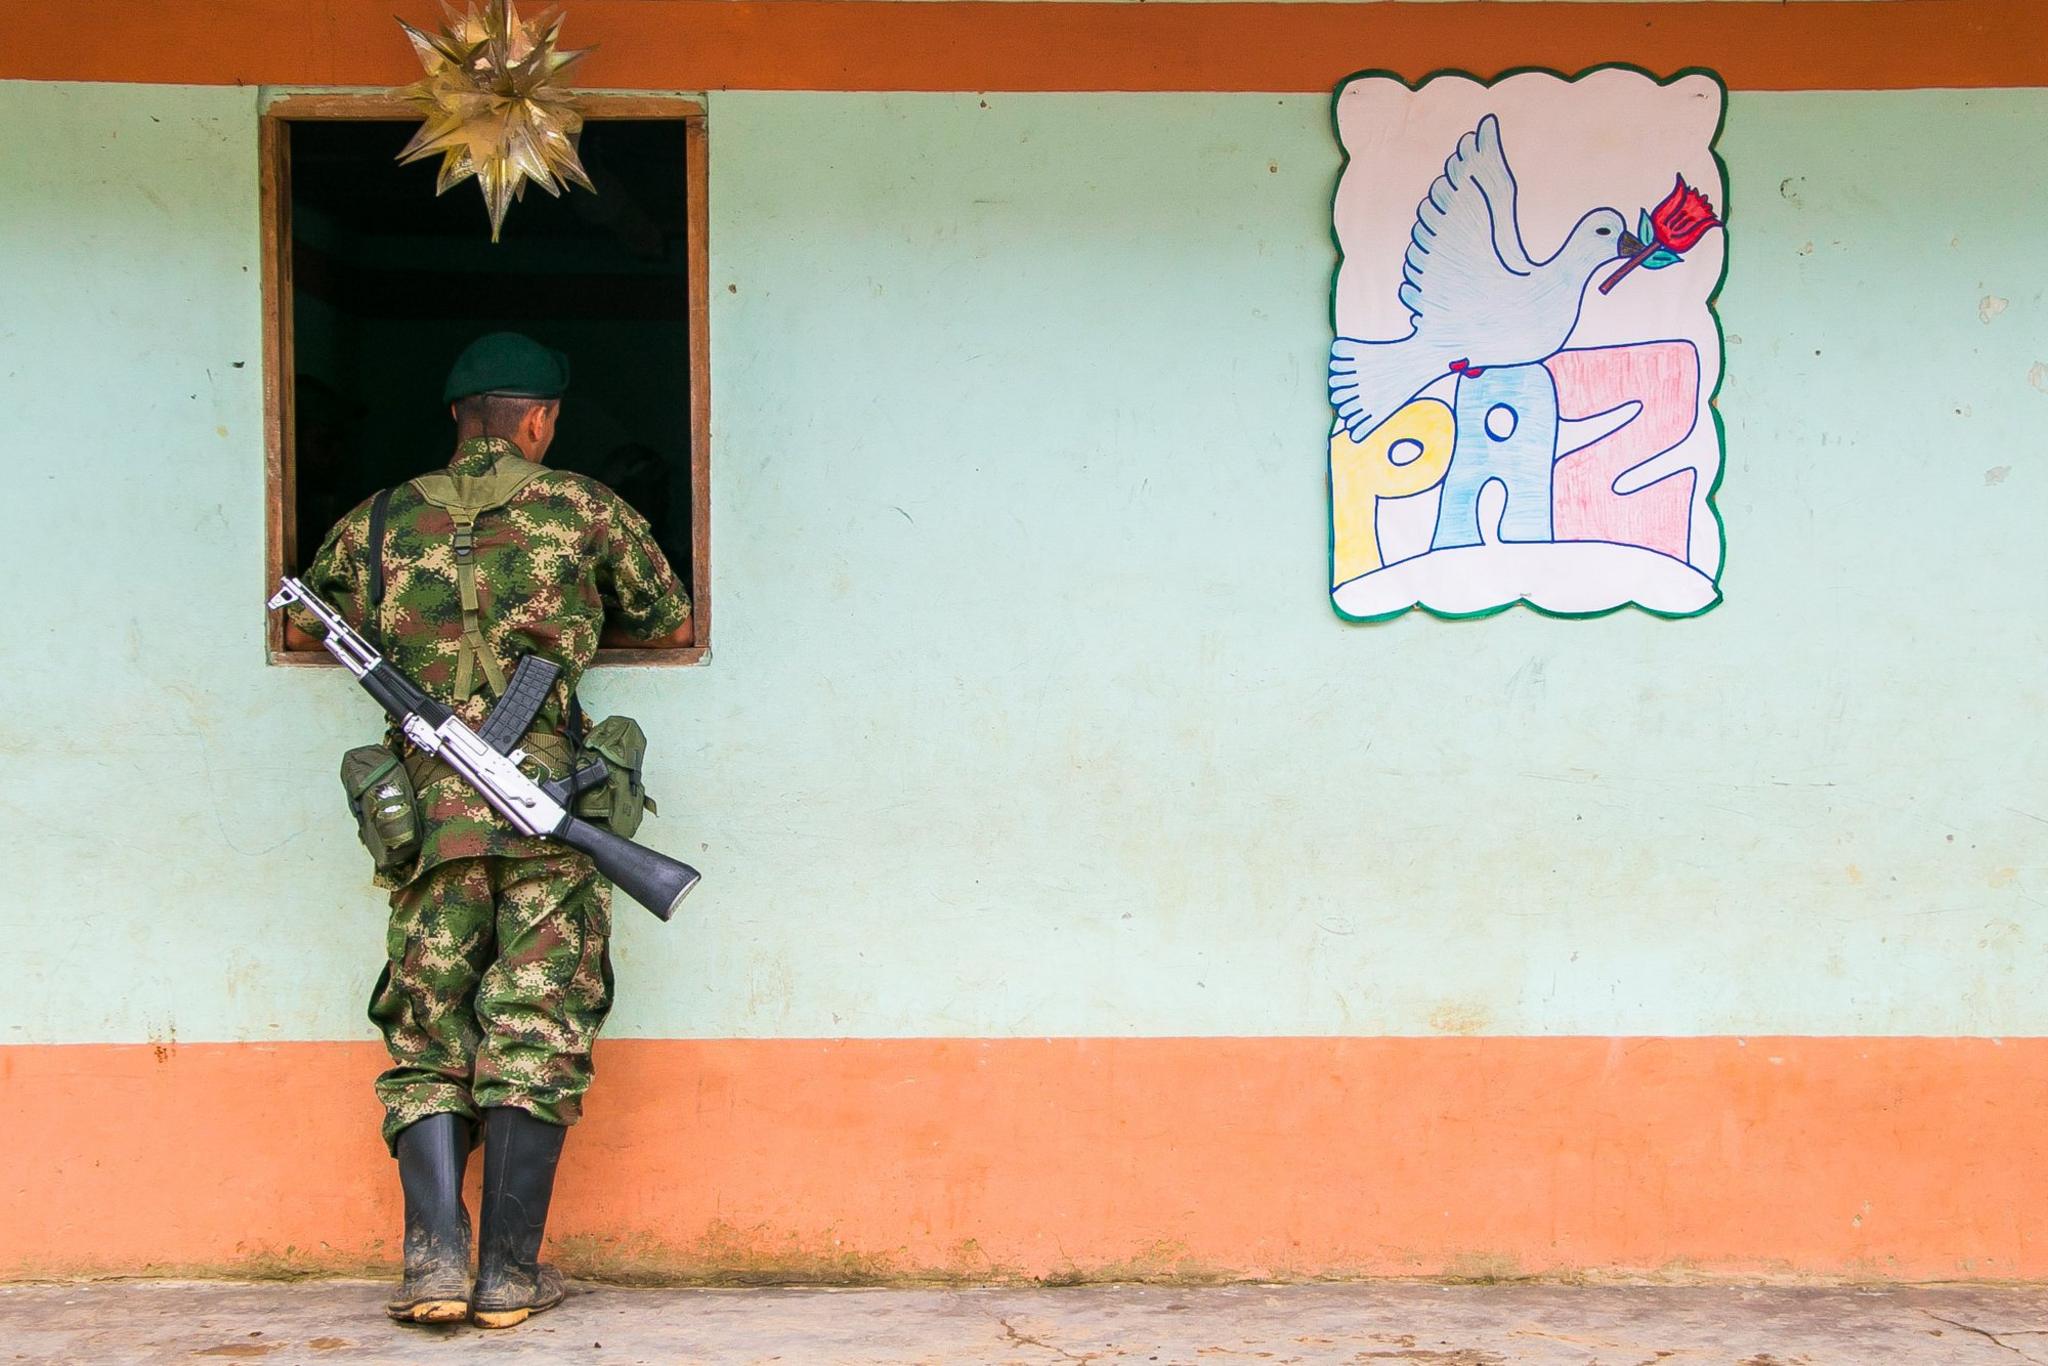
(641, 593)
(339, 573)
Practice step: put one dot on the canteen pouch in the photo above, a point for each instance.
(620, 800)
(386, 807)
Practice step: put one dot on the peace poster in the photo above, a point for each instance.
(1525, 348)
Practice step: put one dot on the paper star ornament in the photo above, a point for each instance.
(495, 105)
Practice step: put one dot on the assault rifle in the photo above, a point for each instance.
(653, 879)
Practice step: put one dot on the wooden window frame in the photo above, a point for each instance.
(279, 469)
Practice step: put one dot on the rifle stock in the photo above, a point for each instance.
(650, 877)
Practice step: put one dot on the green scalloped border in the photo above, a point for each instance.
(1713, 296)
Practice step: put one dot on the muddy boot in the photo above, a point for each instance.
(431, 1155)
(520, 1153)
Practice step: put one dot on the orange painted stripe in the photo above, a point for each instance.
(865, 45)
(1912, 1158)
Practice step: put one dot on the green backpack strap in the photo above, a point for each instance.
(465, 497)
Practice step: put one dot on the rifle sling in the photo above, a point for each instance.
(380, 508)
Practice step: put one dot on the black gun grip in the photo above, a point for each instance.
(567, 788)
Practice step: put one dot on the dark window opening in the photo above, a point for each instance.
(389, 283)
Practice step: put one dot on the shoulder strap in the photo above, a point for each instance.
(465, 497)
(476, 494)
(380, 508)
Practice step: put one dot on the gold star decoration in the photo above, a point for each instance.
(495, 104)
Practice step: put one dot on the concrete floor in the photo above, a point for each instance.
(1371, 1324)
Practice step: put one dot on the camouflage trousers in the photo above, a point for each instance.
(497, 981)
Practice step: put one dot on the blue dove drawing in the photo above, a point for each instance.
(1475, 296)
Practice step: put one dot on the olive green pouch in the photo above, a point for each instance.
(386, 808)
(620, 800)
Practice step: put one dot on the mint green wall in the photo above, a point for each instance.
(1028, 713)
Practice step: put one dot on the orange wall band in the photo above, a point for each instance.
(949, 45)
(1888, 1157)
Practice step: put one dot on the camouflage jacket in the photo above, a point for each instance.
(557, 562)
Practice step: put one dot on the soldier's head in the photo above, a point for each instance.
(528, 423)
(508, 386)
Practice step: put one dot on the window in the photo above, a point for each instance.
(371, 285)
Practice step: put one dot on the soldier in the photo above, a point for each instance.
(498, 975)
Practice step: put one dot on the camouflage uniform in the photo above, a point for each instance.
(498, 976)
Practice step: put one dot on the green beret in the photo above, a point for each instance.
(507, 363)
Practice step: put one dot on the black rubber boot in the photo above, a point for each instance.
(520, 1155)
(431, 1156)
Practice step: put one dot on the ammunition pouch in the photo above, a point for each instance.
(620, 800)
(385, 804)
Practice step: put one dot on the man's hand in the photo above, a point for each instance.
(615, 638)
(295, 639)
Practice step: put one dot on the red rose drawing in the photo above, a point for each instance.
(1668, 232)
